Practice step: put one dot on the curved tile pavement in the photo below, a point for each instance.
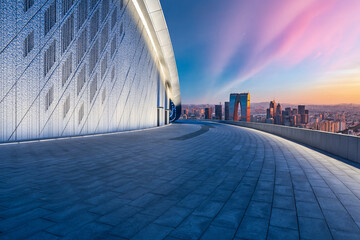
(225, 183)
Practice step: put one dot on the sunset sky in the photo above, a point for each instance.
(304, 51)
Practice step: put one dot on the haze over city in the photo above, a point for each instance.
(299, 52)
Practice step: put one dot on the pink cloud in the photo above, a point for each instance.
(288, 32)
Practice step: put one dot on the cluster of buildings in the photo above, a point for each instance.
(289, 117)
(238, 108)
(194, 111)
(300, 117)
(327, 123)
(207, 111)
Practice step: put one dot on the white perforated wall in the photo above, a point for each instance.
(72, 89)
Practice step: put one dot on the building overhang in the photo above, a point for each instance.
(153, 20)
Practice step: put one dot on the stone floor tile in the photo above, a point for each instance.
(173, 217)
(312, 228)
(115, 217)
(109, 206)
(192, 200)
(276, 233)
(284, 218)
(340, 220)
(216, 233)
(72, 224)
(283, 190)
(259, 209)
(208, 209)
(131, 226)
(323, 192)
(93, 230)
(308, 209)
(153, 231)
(263, 196)
(229, 218)
(305, 196)
(330, 203)
(17, 221)
(42, 235)
(27, 229)
(253, 228)
(192, 228)
(341, 235)
(284, 202)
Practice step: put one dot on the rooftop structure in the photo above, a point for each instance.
(84, 67)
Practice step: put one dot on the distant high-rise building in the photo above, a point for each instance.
(271, 112)
(342, 126)
(226, 110)
(336, 127)
(218, 112)
(322, 116)
(288, 111)
(286, 116)
(274, 113)
(273, 104)
(278, 115)
(242, 99)
(207, 113)
(329, 126)
(278, 109)
(306, 116)
(268, 113)
(301, 109)
(245, 107)
(303, 114)
(293, 120)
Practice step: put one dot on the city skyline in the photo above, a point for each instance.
(294, 50)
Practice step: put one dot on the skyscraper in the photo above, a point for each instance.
(303, 114)
(278, 115)
(218, 112)
(301, 109)
(245, 107)
(273, 104)
(226, 110)
(278, 109)
(271, 112)
(207, 113)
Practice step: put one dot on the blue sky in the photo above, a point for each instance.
(291, 51)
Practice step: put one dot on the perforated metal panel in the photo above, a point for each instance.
(126, 94)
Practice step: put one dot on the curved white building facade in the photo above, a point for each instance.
(78, 67)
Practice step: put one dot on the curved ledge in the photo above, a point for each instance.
(345, 146)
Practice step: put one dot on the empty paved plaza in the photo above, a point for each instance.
(189, 180)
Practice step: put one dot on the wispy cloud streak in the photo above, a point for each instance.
(287, 32)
